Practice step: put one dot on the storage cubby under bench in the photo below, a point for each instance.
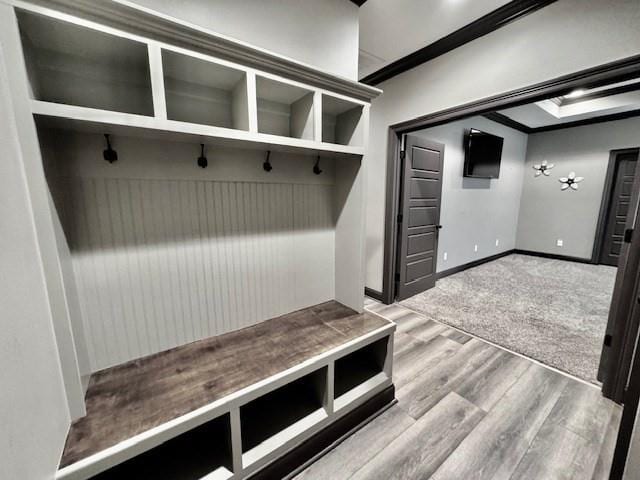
(231, 405)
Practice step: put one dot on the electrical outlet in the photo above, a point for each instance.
(475, 248)
(444, 256)
(559, 242)
(497, 242)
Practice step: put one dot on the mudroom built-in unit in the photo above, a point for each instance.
(201, 220)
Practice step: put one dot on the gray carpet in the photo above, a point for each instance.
(550, 310)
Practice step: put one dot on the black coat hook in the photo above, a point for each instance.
(316, 167)
(202, 160)
(267, 164)
(110, 155)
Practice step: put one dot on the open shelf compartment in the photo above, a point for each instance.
(284, 110)
(341, 121)
(204, 92)
(202, 452)
(270, 421)
(79, 66)
(359, 372)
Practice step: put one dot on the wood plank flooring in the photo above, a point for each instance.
(136, 396)
(469, 410)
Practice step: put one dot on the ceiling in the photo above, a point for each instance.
(390, 30)
(613, 99)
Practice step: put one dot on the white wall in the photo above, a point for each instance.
(546, 212)
(323, 33)
(477, 211)
(34, 416)
(564, 37)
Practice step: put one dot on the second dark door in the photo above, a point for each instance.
(419, 220)
(613, 236)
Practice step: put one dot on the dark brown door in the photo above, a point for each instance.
(419, 220)
(613, 236)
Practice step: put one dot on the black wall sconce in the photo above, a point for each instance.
(110, 155)
(316, 167)
(202, 160)
(267, 164)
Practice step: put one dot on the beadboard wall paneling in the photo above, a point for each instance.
(161, 263)
(165, 253)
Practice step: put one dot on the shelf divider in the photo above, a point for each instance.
(236, 439)
(330, 395)
(252, 100)
(157, 81)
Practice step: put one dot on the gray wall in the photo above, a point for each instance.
(320, 33)
(564, 37)
(547, 213)
(477, 211)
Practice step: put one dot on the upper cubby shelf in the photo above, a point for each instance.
(90, 77)
(73, 65)
(283, 109)
(206, 93)
(341, 121)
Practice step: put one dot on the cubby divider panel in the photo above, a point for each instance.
(205, 450)
(280, 409)
(359, 366)
(285, 110)
(341, 122)
(203, 92)
(79, 66)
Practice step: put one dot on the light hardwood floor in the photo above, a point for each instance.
(469, 410)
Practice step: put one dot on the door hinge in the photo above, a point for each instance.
(399, 218)
(628, 233)
(607, 340)
(401, 154)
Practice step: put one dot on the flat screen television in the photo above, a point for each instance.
(483, 152)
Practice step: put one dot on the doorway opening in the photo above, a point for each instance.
(619, 336)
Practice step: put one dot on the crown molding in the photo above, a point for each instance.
(488, 23)
(510, 122)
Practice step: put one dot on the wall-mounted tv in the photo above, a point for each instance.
(483, 152)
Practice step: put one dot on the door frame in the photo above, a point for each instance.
(611, 72)
(605, 203)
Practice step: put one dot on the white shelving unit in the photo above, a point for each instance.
(86, 76)
(83, 69)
